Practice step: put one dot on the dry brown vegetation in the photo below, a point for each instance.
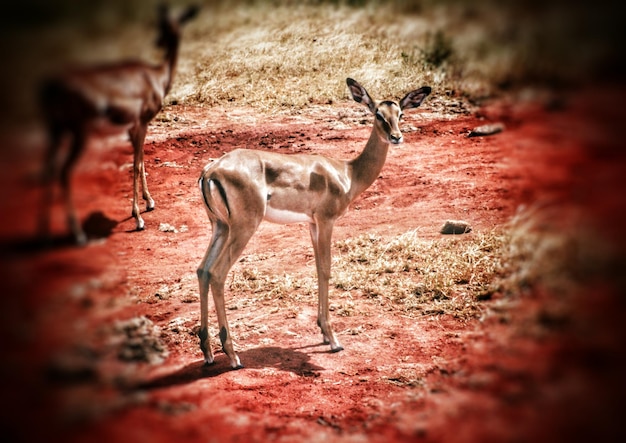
(287, 55)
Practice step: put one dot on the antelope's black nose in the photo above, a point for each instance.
(395, 139)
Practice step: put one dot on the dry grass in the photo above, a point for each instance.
(281, 55)
(290, 57)
(286, 56)
(421, 276)
(269, 286)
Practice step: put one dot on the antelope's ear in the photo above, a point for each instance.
(415, 98)
(189, 13)
(360, 95)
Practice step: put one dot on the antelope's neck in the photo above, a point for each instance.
(367, 166)
(168, 68)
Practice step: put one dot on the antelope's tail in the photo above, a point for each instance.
(214, 196)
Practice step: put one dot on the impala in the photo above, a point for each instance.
(245, 186)
(104, 100)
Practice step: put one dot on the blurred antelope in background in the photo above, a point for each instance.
(245, 186)
(101, 100)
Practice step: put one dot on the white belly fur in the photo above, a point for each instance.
(285, 217)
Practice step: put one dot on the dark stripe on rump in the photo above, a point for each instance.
(220, 189)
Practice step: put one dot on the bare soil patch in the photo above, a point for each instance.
(71, 374)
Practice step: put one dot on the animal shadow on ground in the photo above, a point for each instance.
(96, 226)
(283, 359)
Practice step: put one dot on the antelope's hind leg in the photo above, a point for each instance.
(218, 241)
(227, 244)
(76, 148)
(49, 176)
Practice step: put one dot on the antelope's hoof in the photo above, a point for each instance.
(81, 239)
(336, 349)
(236, 363)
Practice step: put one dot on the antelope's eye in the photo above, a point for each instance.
(400, 116)
(380, 117)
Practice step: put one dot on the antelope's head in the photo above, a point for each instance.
(388, 112)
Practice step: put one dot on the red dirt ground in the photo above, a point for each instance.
(399, 379)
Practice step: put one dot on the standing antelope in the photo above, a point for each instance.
(246, 186)
(106, 99)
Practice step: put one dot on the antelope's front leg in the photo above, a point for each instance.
(144, 184)
(321, 237)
